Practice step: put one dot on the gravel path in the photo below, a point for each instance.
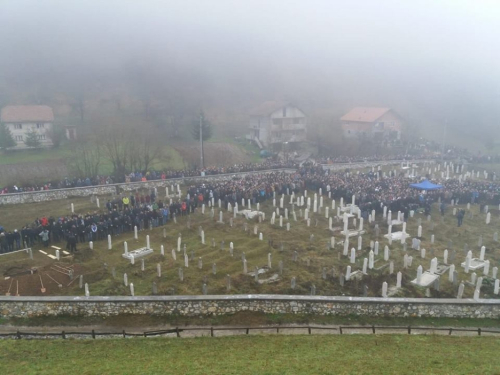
(195, 331)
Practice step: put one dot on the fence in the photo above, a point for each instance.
(109, 189)
(245, 330)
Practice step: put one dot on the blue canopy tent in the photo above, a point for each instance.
(426, 185)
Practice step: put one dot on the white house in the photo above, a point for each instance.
(275, 123)
(21, 119)
(372, 122)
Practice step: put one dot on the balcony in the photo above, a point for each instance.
(288, 127)
(286, 138)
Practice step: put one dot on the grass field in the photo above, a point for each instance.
(175, 157)
(66, 150)
(363, 354)
(242, 318)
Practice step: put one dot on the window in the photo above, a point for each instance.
(18, 138)
(40, 125)
(41, 137)
(284, 111)
(18, 126)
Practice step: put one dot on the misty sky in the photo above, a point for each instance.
(436, 55)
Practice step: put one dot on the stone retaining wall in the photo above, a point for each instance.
(49, 195)
(191, 306)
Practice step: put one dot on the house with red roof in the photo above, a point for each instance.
(372, 122)
(23, 119)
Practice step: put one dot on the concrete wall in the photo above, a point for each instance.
(25, 307)
(263, 125)
(48, 195)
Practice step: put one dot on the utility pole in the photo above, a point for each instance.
(201, 141)
(444, 137)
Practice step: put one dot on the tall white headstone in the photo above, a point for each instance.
(399, 277)
(348, 273)
(486, 268)
(419, 274)
(371, 259)
(353, 255)
(384, 289)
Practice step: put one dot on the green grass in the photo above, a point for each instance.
(62, 157)
(29, 156)
(244, 318)
(171, 161)
(374, 354)
(250, 149)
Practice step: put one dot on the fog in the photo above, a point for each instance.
(431, 61)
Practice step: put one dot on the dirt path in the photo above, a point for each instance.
(219, 331)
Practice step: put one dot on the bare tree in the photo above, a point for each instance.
(87, 157)
(116, 148)
(149, 150)
(130, 147)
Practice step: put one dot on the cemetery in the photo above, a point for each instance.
(306, 244)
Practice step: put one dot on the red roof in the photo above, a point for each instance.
(27, 113)
(364, 114)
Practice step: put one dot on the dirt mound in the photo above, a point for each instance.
(216, 154)
(27, 281)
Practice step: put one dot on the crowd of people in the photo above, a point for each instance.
(148, 176)
(146, 210)
(373, 158)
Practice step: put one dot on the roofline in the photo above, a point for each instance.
(284, 105)
(388, 110)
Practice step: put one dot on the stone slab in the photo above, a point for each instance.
(250, 214)
(475, 264)
(427, 279)
(138, 253)
(356, 275)
(396, 236)
(353, 233)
